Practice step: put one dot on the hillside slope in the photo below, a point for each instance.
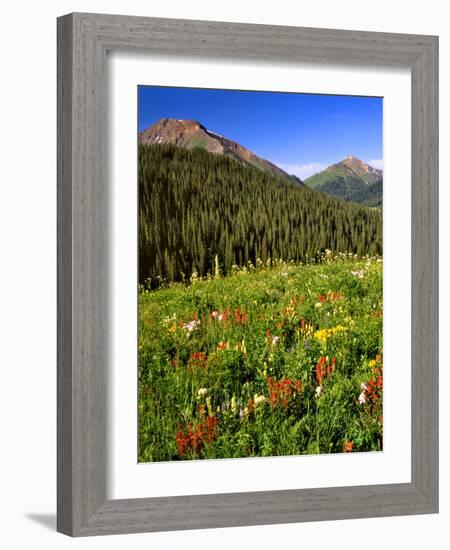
(194, 205)
(351, 180)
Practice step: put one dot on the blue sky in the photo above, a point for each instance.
(301, 133)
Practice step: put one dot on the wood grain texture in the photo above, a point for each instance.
(64, 275)
(83, 40)
(425, 272)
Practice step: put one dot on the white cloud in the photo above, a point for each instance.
(376, 163)
(303, 171)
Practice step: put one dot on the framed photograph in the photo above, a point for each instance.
(247, 274)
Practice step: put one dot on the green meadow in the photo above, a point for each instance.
(275, 358)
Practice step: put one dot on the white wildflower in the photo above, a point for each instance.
(362, 398)
(191, 326)
(258, 399)
(168, 320)
(363, 386)
(202, 392)
(275, 340)
(360, 274)
(319, 391)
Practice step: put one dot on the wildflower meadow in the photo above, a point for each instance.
(277, 358)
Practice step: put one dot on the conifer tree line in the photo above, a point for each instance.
(194, 205)
(350, 190)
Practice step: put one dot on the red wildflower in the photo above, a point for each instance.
(193, 439)
(221, 317)
(372, 392)
(182, 441)
(324, 368)
(198, 360)
(320, 370)
(281, 392)
(210, 428)
(348, 447)
(240, 316)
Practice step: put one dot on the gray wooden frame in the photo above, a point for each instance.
(83, 40)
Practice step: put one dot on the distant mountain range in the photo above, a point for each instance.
(190, 134)
(351, 180)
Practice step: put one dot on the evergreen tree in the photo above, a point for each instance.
(194, 205)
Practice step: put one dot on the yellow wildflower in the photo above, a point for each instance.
(323, 334)
(209, 406)
(233, 405)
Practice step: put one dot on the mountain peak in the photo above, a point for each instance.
(351, 179)
(360, 168)
(177, 123)
(353, 161)
(190, 134)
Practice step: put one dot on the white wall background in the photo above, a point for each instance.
(28, 271)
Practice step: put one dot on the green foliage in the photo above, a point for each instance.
(372, 195)
(352, 189)
(339, 182)
(231, 366)
(317, 180)
(194, 205)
